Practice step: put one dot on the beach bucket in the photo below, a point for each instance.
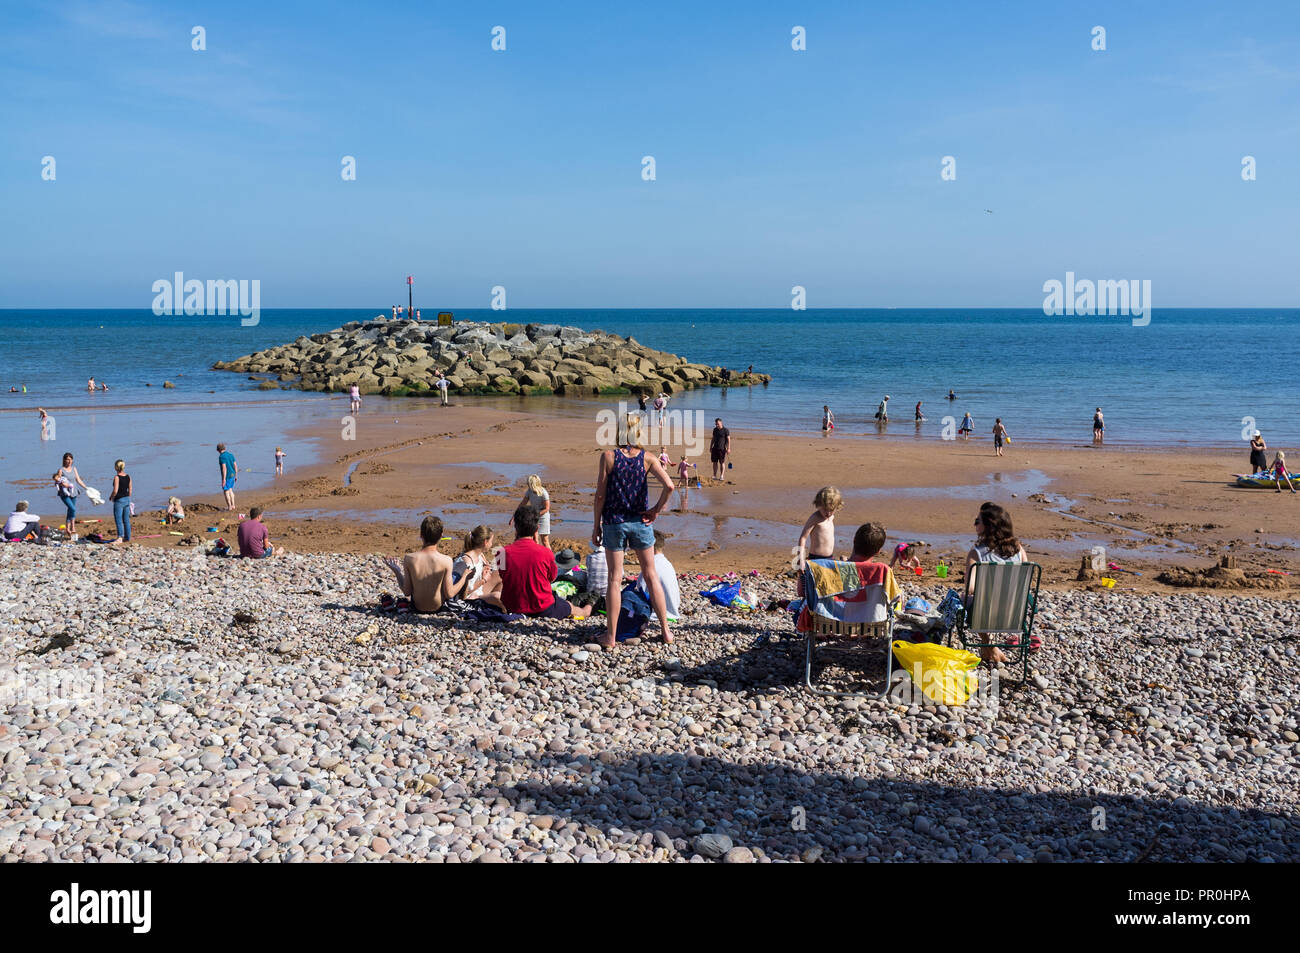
(941, 571)
(919, 571)
(1107, 582)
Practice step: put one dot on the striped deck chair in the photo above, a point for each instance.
(1001, 602)
(847, 605)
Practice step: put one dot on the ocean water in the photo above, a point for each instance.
(1191, 378)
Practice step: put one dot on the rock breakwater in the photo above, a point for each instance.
(401, 358)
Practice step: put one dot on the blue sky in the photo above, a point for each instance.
(522, 168)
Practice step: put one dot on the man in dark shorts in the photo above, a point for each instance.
(527, 571)
(719, 448)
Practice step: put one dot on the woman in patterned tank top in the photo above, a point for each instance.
(623, 521)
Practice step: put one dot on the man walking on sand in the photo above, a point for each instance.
(442, 384)
(719, 449)
(229, 472)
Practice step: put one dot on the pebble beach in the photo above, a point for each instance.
(160, 705)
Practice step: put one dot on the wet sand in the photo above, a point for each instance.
(1151, 509)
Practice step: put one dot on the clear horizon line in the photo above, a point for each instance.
(453, 308)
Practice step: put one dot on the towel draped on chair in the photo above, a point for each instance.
(847, 592)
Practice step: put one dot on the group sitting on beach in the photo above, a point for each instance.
(995, 543)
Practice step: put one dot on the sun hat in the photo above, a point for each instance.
(566, 559)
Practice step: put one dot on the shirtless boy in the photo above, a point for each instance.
(425, 575)
(817, 540)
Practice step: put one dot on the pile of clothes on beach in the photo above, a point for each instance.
(579, 584)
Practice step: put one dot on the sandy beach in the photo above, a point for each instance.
(1152, 510)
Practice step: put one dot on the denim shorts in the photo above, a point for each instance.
(630, 535)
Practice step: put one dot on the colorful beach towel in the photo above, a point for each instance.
(847, 592)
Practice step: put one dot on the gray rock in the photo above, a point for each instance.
(712, 845)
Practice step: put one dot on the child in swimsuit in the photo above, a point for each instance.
(904, 557)
(1280, 472)
(817, 539)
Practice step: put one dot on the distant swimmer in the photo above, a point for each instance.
(951, 395)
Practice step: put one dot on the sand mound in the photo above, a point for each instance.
(1220, 578)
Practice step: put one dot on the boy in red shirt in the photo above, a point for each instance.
(527, 570)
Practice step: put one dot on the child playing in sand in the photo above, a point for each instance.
(175, 512)
(279, 461)
(905, 557)
(817, 539)
(1280, 473)
(683, 466)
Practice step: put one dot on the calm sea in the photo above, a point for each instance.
(1189, 378)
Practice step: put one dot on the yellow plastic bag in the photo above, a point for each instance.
(946, 675)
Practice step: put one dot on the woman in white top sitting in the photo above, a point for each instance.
(484, 581)
(995, 542)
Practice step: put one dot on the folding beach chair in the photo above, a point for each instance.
(1001, 602)
(847, 607)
